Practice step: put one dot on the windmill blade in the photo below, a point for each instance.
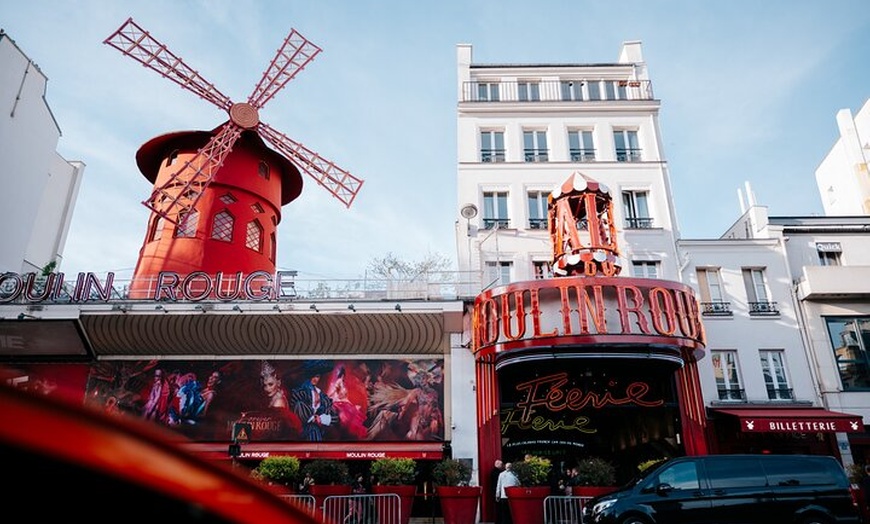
(290, 59)
(133, 41)
(337, 181)
(180, 193)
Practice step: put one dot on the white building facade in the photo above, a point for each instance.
(45, 185)
(843, 177)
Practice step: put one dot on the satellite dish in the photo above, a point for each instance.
(468, 211)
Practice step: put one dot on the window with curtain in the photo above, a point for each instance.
(492, 146)
(635, 207)
(580, 146)
(535, 146)
(627, 145)
(773, 369)
(495, 210)
(537, 201)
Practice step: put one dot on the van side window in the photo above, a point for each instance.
(784, 472)
(683, 475)
(735, 472)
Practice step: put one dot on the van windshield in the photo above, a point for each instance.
(644, 474)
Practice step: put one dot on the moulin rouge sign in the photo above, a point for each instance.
(569, 311)
(195, 286)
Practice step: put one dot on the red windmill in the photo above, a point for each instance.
(216, 202)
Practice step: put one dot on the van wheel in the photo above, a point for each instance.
(633, 520)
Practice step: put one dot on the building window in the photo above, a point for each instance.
(498, 273)
(727, 375)
(529, 91)
(537, 210)
(263, 170)
(222, 228)
(157, 233)
(773, 369)
(256, 207)
(542, 269)
(254, 236)
(644, 269)
(627, 148)
(535, 146)
(487, 92)
(227, 199)
(187, 225)
(829, 253)
(491, 146)
(594, 90)
(495, 210)
(756, 293)
(273, 245)
(572, 90)
(713, 301)
(580, 146)
(635, 206)
(172, 158)
(850, 339)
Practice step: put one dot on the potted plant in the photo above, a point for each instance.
(526, 501)
(396, 475)
(459, 501)
(280, 472)
(331, 477)
(595, 476)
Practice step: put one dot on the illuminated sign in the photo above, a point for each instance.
(577, 310)
(168, 285)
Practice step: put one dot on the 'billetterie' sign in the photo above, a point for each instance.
(579, 310)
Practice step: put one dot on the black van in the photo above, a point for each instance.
(732, 489)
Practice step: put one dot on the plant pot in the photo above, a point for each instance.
(406, 501)
(591, 491)
(321, 491)
(527, 503)
(459, 503)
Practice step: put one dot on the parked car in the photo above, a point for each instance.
(732, 489)
(69, 463)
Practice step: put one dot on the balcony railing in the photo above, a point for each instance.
(736, 394)
(536, 155)
(492, 155)
(780, 393)
(638, 223)
(628, 155)
(582, 155)
(590, 90)
(716, 309)
(537, 223)
(760, 309)
(491, 223)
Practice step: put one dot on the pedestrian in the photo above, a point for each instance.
(506, 479)
(497, 468)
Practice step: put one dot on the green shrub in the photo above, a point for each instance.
(327, 471)
(394, 471)
(595, 471)
(451, 472)
(283, 469)
(534, 471)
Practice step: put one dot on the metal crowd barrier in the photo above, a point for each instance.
(306, 502)
(564, 509)
(381, 508)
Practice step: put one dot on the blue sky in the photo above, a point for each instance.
(749, 92)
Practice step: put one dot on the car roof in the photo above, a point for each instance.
(64, 437)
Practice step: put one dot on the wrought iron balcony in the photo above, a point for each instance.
(492, 155)
(716, 309)
(491, 223)
(737, 394)
(536, 155)
(537, 223)
(573, 90)
(628, 155)
(638, 223)
(780, 393)
(582, 155)
(760, 309)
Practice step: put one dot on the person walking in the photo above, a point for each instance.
(506, 479)
(497, 468)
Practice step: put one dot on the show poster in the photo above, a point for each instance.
(282, 400)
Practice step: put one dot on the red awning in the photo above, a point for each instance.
(794, 420)
(315, 450)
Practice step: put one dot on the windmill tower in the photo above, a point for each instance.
(217, 195)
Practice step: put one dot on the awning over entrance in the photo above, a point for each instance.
(794, 420)
(318, 450)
